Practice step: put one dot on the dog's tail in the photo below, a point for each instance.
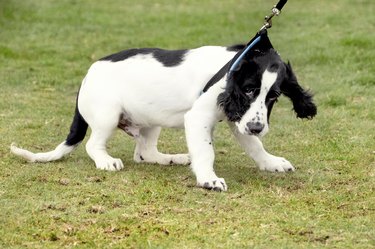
(77, 133)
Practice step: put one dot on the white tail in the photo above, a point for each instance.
(56, 154)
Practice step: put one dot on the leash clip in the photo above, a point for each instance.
(268, 19)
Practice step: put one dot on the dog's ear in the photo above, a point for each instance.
(231, 101)
(302, 100)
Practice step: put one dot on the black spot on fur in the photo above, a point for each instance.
(206, 185)
(168, 58)
(217, 189)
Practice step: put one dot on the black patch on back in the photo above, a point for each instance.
(169, 58)
(125, 54)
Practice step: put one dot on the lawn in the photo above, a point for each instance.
(46, 48)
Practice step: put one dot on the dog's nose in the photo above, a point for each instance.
(255, 127)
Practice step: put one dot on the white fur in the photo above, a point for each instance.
(56, 154)
(199, 124)
(258, 109)
(152, 96)
(265, 161)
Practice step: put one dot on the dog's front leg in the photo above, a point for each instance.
(199, 124)
(264, 160)
(198, 130)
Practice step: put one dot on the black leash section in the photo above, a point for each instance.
(232, 64)
(280, 4)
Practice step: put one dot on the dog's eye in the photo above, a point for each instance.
(272, 96)
(249, 91)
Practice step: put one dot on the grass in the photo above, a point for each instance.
(45, 49)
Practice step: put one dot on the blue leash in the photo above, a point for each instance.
(235, 64)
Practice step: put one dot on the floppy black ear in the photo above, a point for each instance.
(302, 100)
(232, 100)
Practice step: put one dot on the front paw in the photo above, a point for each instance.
(216, 184)
(109, 163)
(276, 164)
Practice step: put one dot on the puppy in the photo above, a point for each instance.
(142, 90)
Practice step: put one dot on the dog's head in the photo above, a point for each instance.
(254, 86)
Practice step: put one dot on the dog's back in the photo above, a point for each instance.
(143, 82)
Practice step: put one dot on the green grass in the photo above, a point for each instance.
(45, 49)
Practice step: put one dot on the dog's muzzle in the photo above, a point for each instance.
(254, 128)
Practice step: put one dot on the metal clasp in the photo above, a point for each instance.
(268, 19)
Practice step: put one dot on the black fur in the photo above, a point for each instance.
(302, 100)
(243, 84)
(168, 58)
(78, 129)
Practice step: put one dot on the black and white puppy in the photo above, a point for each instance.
(142, 90)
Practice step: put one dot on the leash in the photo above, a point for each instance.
(275, 11)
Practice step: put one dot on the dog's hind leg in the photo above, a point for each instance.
(146, 149)
(96, 146)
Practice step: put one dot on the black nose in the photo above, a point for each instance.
(255, 127)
